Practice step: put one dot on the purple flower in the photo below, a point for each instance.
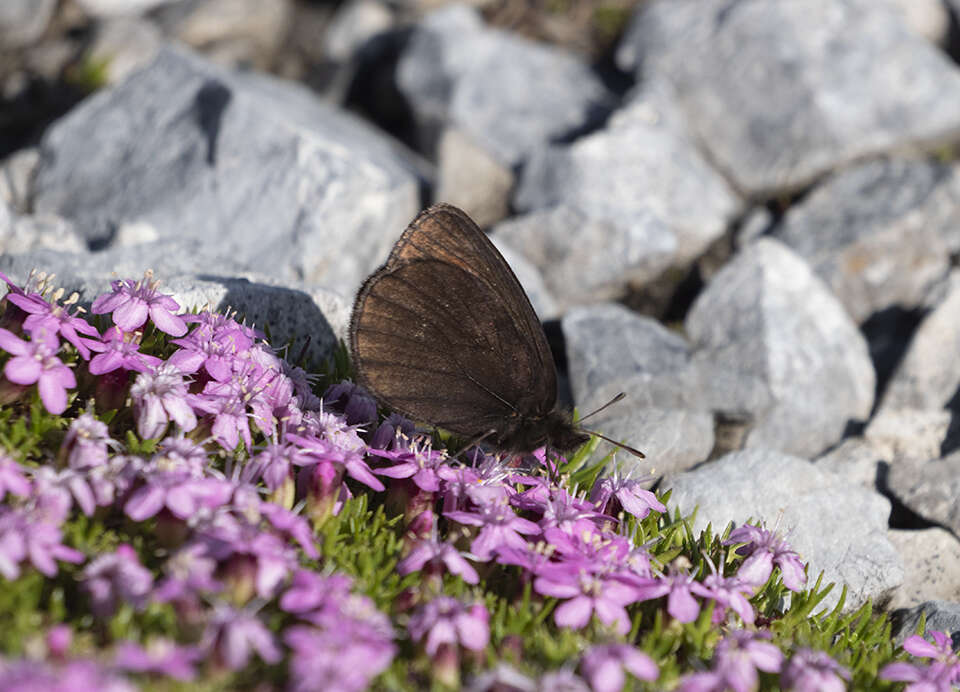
(12, 478)
(85, 446)
(562, 680)
(293, 525)
(630, 492)
(234, 635)
(814, 671)
(764, 550)
(78, 676)
(343, 658)
(500, 527)
(214, 345)
(56, 318)
(603, 665)
(178, 492)
(942, 673)
(736, 660)
(160, 656)
(29, 535)
(133, 301)
(420, 463)
(326, 450)
(35, 361)
(115, 578)
(430, 551)
(392, 433)
(729, 592)
(587, 593)
(160, 397)
(355, 402)
(229, 411)
(679, 588)
(189, 572)
(274, 464)
(119, 350)
(445, 621)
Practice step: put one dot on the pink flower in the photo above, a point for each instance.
(160, 397)
(814, 671)
(115, 578)
(160, 656)
(133, 301)
(764, 550)
(630, 493)
(501, 528)
(603, 666)
(237, 634)
(445, 620)
(12, 478)
(430, 551)
(588, 593)
(35, 361)
(119, 350)
(51, 316)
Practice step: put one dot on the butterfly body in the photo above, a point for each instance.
(444, 334)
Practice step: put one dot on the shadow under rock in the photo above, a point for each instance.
(302, 328)
(888, 333)
(901, 516)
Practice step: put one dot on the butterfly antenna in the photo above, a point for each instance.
(627, 448)
(618, 397)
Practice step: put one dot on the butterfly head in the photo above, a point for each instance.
(527, 433)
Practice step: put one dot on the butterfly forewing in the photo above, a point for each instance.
(444, 333)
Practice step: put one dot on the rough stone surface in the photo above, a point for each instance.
(118, 8)
(584, 259)
(353, 24)
(23, 21)
(939, 615)
(929, 373)
(641, 164)
(839, 529)
(469, 177)
(16, 177)
(232, 32)
(771, 340)
(124, 45)
(901, 434)
(855, 460)
(813, 85)
(876, 233)
(257, 170)
(931, 559)
(509, 94)
(930, 488)
(612, 350)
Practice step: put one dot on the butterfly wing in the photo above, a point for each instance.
(444, 333)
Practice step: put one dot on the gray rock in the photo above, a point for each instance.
(673, 440)
(931, 559)
(876, 233)
(197, 279)
(943, 616)
(928, 375)
(900, 434)
(929, 488)
(530, 279)
(509, 94)
(586, 259)
(642, 164)
(24, 21)
(230, 32)
(780, 91)
(772, 341)
(16, 177)
(927, 18)
(102, 9)
(855, 460)
(23, 233)
(257, 170)
(353, 24)
(755, 224)
(612, 350)
(838, 528)
(124, 45)
(469, 177)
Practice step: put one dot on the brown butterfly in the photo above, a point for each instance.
(444, 334)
